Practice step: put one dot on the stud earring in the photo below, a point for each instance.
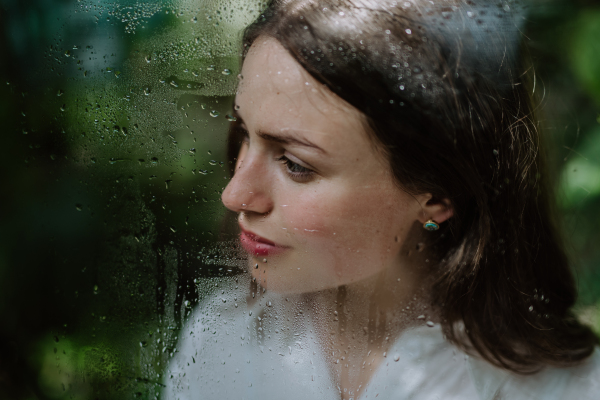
(431, 225)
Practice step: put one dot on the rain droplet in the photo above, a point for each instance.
(430, 324)
(214, 113)
(226, 71)
(78, 207)
(396, 357)
(231, 118)
(408, 32)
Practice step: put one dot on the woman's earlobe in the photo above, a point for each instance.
(437, 211)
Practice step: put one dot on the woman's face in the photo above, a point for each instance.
(318, 206)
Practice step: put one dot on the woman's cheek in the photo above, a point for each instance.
(308, 221)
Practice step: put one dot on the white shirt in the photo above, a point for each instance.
(225, 352)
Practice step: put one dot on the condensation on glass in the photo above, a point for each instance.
(133, 283)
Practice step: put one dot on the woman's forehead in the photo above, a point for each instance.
(267, 59)
(277, 93)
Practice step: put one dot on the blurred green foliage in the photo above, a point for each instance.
(113, 160)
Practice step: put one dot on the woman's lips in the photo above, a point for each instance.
(259, 246)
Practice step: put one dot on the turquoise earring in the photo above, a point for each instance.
(431, 225)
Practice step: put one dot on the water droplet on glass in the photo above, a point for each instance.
(430, 324)
(396, 357)
(408, 31)
(78, 207)
(231, 118)
(214, 113)
(226, 72)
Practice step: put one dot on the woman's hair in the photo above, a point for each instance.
(445, 92)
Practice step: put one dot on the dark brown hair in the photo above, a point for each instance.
(444, 90)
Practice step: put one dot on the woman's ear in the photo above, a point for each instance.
(439, 210)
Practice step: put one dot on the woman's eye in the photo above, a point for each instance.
(295, 170)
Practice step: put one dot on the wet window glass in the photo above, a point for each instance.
(230, 199)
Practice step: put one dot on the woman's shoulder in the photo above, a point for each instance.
(580, 382)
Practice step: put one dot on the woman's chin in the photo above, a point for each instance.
(288, 280)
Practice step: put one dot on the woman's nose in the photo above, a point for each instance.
(248, 190)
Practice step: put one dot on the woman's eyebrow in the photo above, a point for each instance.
(288, 139)
(279, 138)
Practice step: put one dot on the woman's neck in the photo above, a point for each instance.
(357, 324)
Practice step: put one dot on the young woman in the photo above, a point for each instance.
(389, 188)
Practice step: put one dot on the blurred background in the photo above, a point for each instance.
(113, 121)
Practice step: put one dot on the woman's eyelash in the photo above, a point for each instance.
(295, 170)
